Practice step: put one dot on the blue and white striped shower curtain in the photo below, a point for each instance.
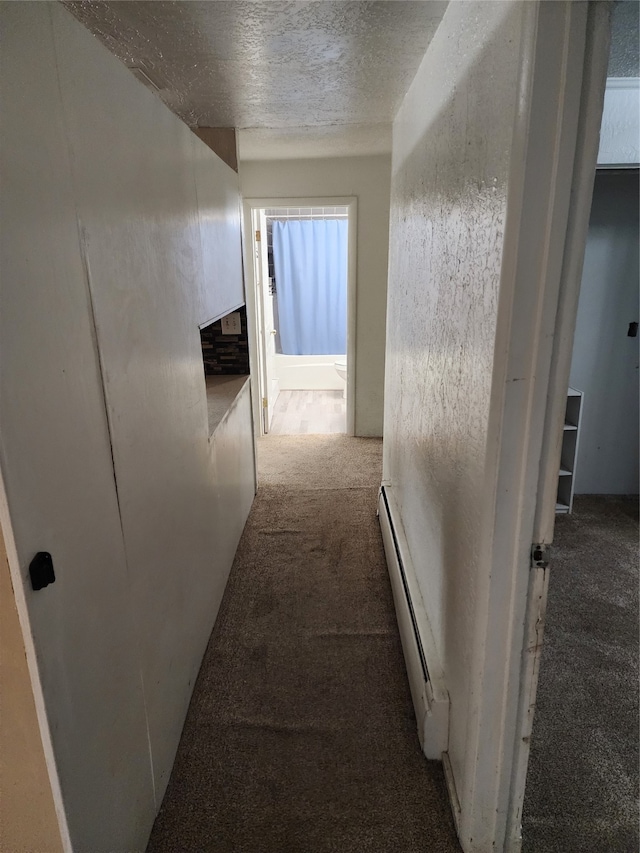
(310, 260)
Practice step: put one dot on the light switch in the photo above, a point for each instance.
(231, 324)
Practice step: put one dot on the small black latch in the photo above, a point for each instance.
(41, 570)
(633, 330)
(539, 556)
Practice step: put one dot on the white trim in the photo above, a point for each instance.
(573, 262)
(251, 204)
(426, 677)
(259, 252)
(593, 88)
(623, 82)
(17, 582)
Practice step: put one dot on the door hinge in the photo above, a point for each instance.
(258, 238)
(540, 555)
(265, 403)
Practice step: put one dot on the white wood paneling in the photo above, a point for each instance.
(151, 287)
(56, 461)
(141, 238)
(121, 235)
(221, 287)
(232, 474)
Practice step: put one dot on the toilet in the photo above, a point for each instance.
(341, 370)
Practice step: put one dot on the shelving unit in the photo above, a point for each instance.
(568, 457)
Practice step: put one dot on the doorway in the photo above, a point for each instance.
(300, 259)
(581, 787)
(587, 698)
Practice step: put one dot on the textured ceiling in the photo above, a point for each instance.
(281, 68)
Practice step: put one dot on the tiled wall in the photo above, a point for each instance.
(225, 354)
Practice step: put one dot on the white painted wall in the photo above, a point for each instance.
(448, 210)
(367, 178)
(489, 146)
(477, 217)
(120, 236)
(605, 359)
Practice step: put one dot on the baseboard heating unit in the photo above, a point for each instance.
(430, 697)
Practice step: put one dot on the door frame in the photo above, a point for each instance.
(596, 54)
(261, 273)
(250, 205)
(561, 92)
(17, 582)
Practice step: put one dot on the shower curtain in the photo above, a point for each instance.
(310, 260)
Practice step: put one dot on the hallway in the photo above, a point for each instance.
(300, 735)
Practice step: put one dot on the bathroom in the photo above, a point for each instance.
(304, 287)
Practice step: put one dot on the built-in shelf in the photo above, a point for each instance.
(567, 472)
(222, 392)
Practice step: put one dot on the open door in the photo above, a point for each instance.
(269, 388)
(594, 62)
(563, 70)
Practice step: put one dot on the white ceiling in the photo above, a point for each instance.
(308, 79)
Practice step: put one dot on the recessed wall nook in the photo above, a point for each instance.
(225, 357)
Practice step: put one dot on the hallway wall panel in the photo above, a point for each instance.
(121, 235)
(452, 145)
(56, 459)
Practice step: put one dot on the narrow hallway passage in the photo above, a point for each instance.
(300, 735)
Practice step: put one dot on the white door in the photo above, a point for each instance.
(565, 45)
(586, 38)
(269, 386)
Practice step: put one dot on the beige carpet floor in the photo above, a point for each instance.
(300, 737)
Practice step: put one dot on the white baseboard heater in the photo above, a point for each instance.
(426, 680)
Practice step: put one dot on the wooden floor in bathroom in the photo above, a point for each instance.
(309, 413)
